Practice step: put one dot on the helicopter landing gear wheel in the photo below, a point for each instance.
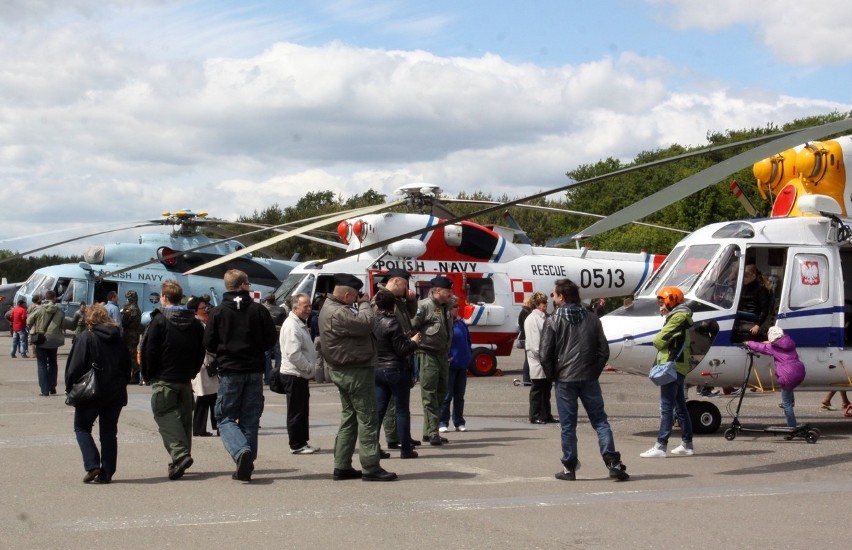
(730, 434)
(812, 436)
(705, 416)
(483, 363)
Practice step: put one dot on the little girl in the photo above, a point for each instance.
(789, 370)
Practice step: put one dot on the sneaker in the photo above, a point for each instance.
(306, 450)
(442, 429)
(409, 454)
(461, 428)
(654, 452)
(681, 450)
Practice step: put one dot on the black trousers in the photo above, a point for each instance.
(204, 405)
(298, 396)
(540, 399)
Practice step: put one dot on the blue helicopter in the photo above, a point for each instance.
(143, 266)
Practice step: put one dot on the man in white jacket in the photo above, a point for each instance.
(541, 386)
(298, 356)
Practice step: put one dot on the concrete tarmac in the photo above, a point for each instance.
(491, 487)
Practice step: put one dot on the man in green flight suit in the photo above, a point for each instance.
(347, 345)
(435, 325)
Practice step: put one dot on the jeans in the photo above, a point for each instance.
(240, 398)
(673, 402)
(395, 383)
(788, 401)
(456, 386)
(107, 416)
(19, 342)
(171, 403)
(47, 369)
(589, 393)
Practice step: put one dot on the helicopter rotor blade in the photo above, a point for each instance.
(710, 176)
(296, 232)
(68, 229)
(554, 210)
(51, 245)
(213, 228)
(324, 219)
(775, 140)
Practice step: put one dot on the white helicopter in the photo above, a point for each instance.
(804, 250)
(116, 267)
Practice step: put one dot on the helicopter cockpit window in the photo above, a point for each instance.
(48, 283)
(480, 291)
(75, 291)
(689, 267)
(295, 283)
(719, 284)
(651, 286)
(735, 230)
(32, 284)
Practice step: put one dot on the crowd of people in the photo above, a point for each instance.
(211, 363)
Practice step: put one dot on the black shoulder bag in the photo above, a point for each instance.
(86, 389)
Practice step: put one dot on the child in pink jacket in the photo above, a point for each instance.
(789, 370)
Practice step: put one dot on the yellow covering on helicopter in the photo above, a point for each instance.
(815, 168)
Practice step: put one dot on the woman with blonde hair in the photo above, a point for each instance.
(99, 346)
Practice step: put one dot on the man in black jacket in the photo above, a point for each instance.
(238, 333)
(172, 354)
(573, 353)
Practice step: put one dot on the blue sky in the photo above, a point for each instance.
(115, 110)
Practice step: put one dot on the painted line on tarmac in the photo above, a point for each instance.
(352, 509)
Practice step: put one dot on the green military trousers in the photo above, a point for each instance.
(358, 418)
(434, 374)
(171, 403)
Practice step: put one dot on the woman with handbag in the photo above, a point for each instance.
(205, 386)
(99, 347)
(672, 344)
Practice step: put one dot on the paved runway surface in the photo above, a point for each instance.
(491, 487)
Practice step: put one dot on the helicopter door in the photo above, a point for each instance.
(806, 308)
(102, 288)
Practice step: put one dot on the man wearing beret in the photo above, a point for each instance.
(396, 282)
(435, 325)
(347, 345)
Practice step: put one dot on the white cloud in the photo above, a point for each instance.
(795, 31)
(92, 128)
